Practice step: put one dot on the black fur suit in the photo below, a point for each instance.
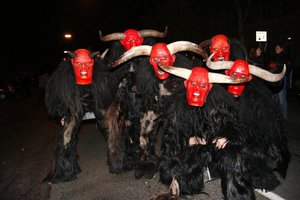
(139, 104)
(259, 110)
(217, 118)
(122, 118)
(65, 99)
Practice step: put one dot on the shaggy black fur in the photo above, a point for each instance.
(139, 94)
(65, 99)
(260, 111)
(238, 163)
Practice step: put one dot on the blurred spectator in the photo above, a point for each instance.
(256, 57)
(279, 59)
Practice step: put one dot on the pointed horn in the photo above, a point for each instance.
(218, 64)
(110, 37)
(178, 46)
(177, 71)
(71, 54)
(133, 52)
(153, 33)
(221, 78)
(266, 75)
(203, 45)
(92, 55)
(104, 53)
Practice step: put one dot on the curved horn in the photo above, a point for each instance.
(218, 64)
(133, 52)
(112, 36)
(178, 46)
(203, 45)
(71, 54)
(104, 53)
(153, 33)
(92, 55)
(185, 73)
(177, 71)
(266, 75)
(254, 70)
(221, 78)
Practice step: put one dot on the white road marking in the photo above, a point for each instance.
(270, 195)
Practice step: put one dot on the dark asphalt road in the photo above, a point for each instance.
(27, 139)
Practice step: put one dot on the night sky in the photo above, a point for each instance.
(35, 29)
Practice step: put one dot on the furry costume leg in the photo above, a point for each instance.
(66, 159)
(235, 179)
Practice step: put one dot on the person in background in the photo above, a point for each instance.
(280, 59)
(257, 58)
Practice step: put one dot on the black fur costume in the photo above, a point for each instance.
(259, 110)
(65, 99)
(138, 107)
(123, 115)
(239, 164)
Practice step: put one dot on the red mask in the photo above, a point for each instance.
(161, 52)
(132, 39)
(197, 86)
(239, 70)
(83, 66)
(221, 48)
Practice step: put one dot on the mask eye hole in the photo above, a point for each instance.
(79, 64)
(234, 75)
(225, 49)
(203, 86)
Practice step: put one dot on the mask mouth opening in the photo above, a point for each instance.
(160, 72)
(221, 58)
(196, 94)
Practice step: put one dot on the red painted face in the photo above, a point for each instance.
(161, 52)
(132, 39)
(83, 67)
(239, 70)
(197, 86)
(221, 48)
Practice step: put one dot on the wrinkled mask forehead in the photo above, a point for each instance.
(199, 75)
(240, 67)
(131, 33)
(160, 50)
(219, 41)
(82, 55)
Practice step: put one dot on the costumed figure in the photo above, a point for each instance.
(203, 129)
(122, 116)
(152, 86)
(78, 85)
(259, 110)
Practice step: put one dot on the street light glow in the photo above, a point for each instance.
(68, 36)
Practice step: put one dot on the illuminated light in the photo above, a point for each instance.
(68, 36)
(289, 38)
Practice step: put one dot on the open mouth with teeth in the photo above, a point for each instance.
(160, 72)
(221, 58)
(196, 94)
(83, 73)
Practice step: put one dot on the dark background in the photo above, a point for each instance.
(34, 30)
